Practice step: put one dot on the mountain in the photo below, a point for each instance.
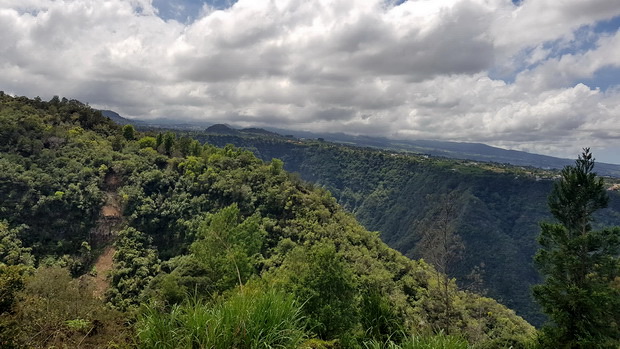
(168, 123)
(499, 206)
(458, 150)
(222, 129)
(453, 150)
(114, 116)
(150, 240)
(260, 131)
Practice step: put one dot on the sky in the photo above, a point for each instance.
(536, 75)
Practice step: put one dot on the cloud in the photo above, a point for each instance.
(464, 70)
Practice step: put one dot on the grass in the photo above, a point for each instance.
(249, 319)
(438, 341)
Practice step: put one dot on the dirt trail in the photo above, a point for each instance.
(108, 224)
(103, 265)
(112, 207)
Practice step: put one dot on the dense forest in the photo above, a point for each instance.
(112, 238)
(496, 213)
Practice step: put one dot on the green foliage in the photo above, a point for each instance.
(378, 317)
(55, 310)
(11, 281)
(48, 182)
(12, 251)
(320, 278)
(315, 343)
(580, 265)
(229, 247)
(129, 132)
(438, 341)
(226, 254)
(135, 265)
(148, 142)
(249, 318)
(168, 142)
(166, 204)
(181, 277)
(78, 324)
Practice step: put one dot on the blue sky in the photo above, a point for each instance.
(535, 75)
(187, 10)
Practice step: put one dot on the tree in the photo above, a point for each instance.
(11, 283)
(148, 142)
(319, 276)
(229, 247)
(581, 266)
(441, 246)
(129, 132)
(11, 250)
(159, 140)
(168, 142)
(135, 265)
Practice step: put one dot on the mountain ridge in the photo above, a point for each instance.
(450, 149)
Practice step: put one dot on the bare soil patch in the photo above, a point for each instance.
(103, 265)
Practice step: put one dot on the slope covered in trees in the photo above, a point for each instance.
(215, 247)
(496, 213)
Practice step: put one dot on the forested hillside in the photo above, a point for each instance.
(496, 207)
(212, 248)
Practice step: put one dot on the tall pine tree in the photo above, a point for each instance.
(580, 294)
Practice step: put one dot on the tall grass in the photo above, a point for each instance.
(437, 341)
(249, 319)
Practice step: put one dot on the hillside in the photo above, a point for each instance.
(208, 237)
(456, 150)
(497, 216)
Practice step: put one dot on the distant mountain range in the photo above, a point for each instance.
(469, 151)
(114, 116)
(224, 129)
(453, 150)
(156, 123)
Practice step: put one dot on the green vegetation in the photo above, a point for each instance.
(212, 245)
(582, 268)
(251, 318)
(496, 208)
(56, 310)
(136, 264)
(440, 340)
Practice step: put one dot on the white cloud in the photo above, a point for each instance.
(421, 69)
(539, 21)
